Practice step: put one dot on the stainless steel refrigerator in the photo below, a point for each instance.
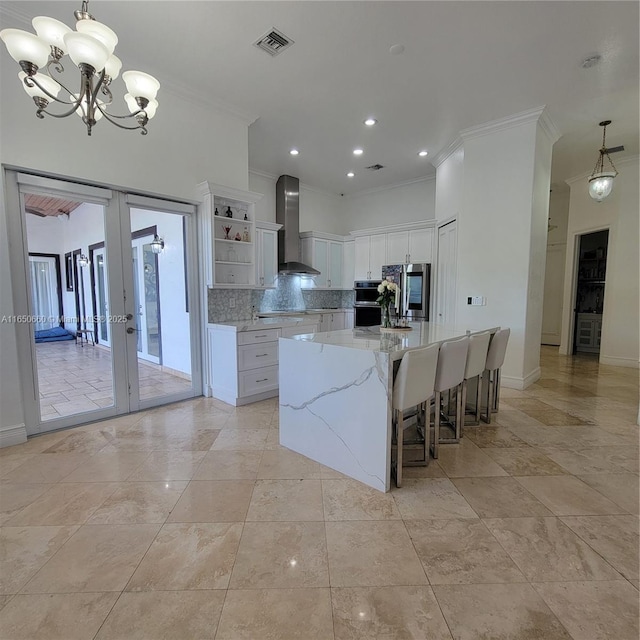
(414, 281)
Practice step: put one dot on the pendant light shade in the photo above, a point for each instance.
(112, 67)
(52, 31)
(150, 109)
(84, 49)
(157, 244)
(601, 179)
(23, 45)
(141, 85)
(100, 32)
(44, 81)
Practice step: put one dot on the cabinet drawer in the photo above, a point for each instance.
(252, 356)
(258, 380)
(254, 337)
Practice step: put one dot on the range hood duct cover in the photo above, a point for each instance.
(288, 215)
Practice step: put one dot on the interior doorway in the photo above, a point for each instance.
(590, 291)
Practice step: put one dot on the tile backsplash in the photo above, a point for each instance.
(227, 305)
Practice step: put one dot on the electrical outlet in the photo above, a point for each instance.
(232, 303)
(476, 301)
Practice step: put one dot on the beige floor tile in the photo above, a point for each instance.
(283, 464)
(276, 614)
(95, 558)
(594, 610)
(82, 442)
(15, 497)
(525, 462)
(513, 418)
(499, 498)
(423, 498)
(107, 466)
(621, 488)
(69, 616)
(586, 461)
(168, 465)
(229, 465)
(213, 501)
(139, 503)
(568, 496)
(4, 600)
(496, 437)
(398, 613)
(467, 460)
(189, 556)
(46, 468)
(498, 611)
(281, 555)
(65, 503)
(286, 500)
(372, 553)
(461, 551)
(347, 499)
(432, 470)
(167, 615)
(546, 550)
(255, 420)
(24, 550)
(615, 538)
(9, 463)
(240, 440)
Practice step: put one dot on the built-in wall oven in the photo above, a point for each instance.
(366, 309)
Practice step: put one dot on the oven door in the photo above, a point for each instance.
(367, 316)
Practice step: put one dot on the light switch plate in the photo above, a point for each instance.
(476, 301)
(232, 303)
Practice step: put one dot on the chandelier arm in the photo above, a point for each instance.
(104, 89)
(111, 118)
(34, 82)
(62, 115)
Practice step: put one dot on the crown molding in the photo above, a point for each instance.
(623, 162)
(263, 174)
(447, 152)
(549, 127)
(265, 224)
(324, 236)
(502, 124)
(303, 185)
(387, 187)
(211, 188)
(406, 226)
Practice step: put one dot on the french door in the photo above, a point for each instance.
(123, 349)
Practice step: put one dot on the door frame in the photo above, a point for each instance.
(118, 245)
(56, 257)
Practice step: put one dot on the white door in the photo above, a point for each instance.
(101, 294)
(445, 309)
(553, 294)
(146, 302)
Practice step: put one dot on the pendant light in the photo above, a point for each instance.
(601, 180)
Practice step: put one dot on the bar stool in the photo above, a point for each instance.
(476, 364)
(452, 360)
(495, 360)
(413, 386)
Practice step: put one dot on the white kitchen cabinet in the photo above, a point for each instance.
(370, 256)
(589, 332)
(348, 264)
(289, 332)
(348, 319)
(227, 234)
(336, 321)
(410, 246)
(266, 254)
(325, 255)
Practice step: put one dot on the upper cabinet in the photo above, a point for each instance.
(325, 253)
(228, 235)
(399, 244)
(370, 256)
(266, 254)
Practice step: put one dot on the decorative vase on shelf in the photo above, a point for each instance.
(229, 213)
(226, 229)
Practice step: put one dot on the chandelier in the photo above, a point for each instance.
(601, 180)
(90, 48)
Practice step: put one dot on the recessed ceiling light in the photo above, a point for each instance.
(294, 152)
(396, 49)
(350, 174)
(422, 153)
(358, 152)
(370, 122)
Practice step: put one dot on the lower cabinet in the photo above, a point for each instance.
(588, 332)
(243, 365)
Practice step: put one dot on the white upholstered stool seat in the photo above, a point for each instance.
(495, 360)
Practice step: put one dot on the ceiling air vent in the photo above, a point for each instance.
(375, 167)
(274, 42)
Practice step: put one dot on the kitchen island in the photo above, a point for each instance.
(335, 395)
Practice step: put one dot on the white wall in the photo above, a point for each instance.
(187, 144)
(411, 202)
(619, 212)
(265, 208)
(449, 184)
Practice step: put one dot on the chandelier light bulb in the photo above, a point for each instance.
(141, 85)
(112, 67)
(24, 46)
(150, 109)
(601, 179)
(84, 49)
(52, 31)
(100, 32)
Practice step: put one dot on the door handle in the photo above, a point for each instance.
(130, 330)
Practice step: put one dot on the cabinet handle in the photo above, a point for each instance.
(262, 380)
(264, 335)
(329, 281)
(261, 355)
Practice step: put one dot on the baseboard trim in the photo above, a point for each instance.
(631, 363)
(511, 382)
(9, 436)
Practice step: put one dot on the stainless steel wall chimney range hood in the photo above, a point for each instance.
(288, 215)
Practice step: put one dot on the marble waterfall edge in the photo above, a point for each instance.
(335, 408)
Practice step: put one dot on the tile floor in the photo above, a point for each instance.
(191, 522)
(74, 379)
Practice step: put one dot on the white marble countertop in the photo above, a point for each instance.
(422, 334)
(306, 312)
(262, 323)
